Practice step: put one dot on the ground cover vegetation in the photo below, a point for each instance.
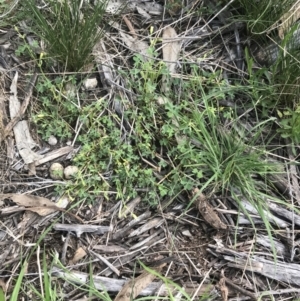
(161, 135)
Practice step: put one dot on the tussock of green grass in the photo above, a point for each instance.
(69, 29)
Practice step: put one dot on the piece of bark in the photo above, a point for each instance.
(10, 210)
(280, 182)
(288, 273)
(53, 155)
(243, 220)
(147, 240)
(79, 229)
(24, 141)
(79, 254)
(207, 211)
(104, 64)
(288, 19)
(170, 48)
(136, 45)
(120, 262)
(110, 249)
(40, 205)
(3, 116)
(115, 285)
(281, 249)
(223, 289)
(109, 78)
(268, 54)
(19, 115)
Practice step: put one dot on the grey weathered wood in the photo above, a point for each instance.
(280, 271)
(147, 241)
(54, 155)
(277, 270)
(293, 217)
(153, 223)
(115, 285)
(272, 219)
(280, 248)
(129, 207)
(123, 232)
(79, 229)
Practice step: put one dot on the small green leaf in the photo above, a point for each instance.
(2, 295)
(279, 114)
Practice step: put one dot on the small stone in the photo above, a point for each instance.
(63, 202)
(70, 171)
(90, 83)
(70, 90)
(187, 233)
(52, 140)
(162, 100)
(56, 171)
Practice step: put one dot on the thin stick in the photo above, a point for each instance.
(129, 25)
(40, 270)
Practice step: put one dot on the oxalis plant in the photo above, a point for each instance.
(70, 29)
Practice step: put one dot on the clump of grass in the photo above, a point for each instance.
(261, 15)
(285, 72)
(228, 159)
(69, 29)
(276, 88)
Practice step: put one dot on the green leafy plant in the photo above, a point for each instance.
(70, 30)
(290, 124)
(107, 161)
(56, 110)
